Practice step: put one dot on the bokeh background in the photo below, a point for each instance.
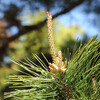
(23, 29)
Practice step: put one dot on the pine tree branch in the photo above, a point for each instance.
(26, 29)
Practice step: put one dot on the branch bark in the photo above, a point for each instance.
(25, 29)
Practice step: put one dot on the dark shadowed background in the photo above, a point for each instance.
(23, 29)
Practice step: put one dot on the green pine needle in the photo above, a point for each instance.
(80, 81)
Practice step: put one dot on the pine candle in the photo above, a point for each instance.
(58, 64)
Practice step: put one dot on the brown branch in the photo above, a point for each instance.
(25, 29)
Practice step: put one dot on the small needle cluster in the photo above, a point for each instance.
(94, 85)
(58, 64)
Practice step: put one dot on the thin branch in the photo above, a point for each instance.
(26, 29)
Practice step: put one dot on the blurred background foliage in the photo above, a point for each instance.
(23, 29)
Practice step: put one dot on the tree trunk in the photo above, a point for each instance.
(3, 41)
